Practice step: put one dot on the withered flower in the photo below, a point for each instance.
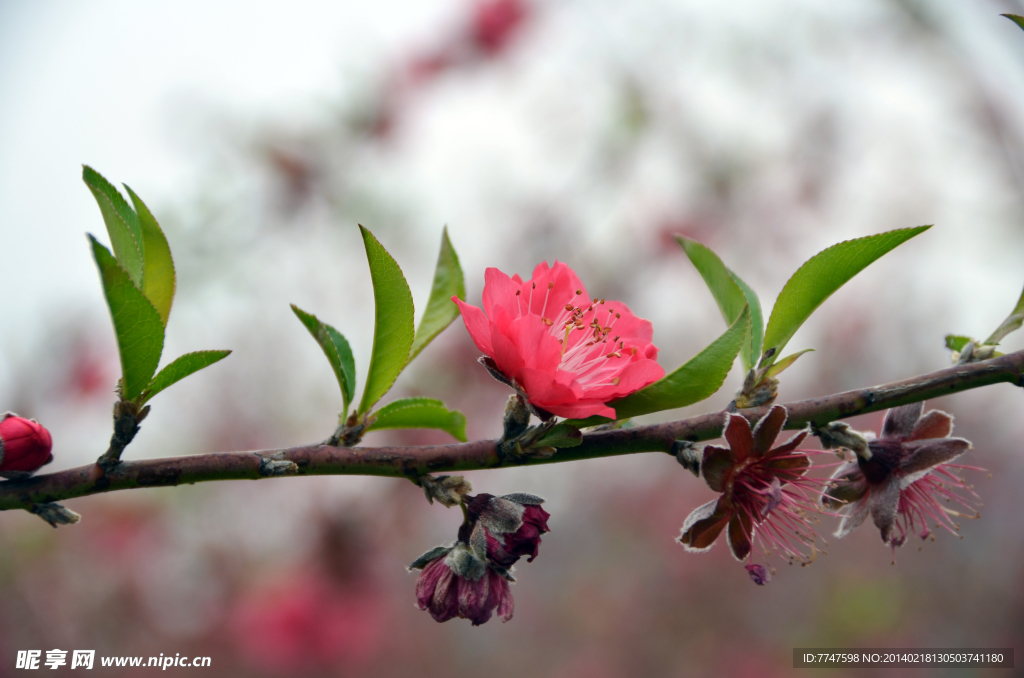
(765, 494)
(902, 480)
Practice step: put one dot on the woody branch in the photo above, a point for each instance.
(413, 462)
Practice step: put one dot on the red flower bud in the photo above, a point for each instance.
(24, 446)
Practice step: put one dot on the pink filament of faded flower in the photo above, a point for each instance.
(785, 528)
(920, 501)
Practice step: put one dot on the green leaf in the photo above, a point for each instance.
(956, 342)
(337, 350)
(420, 413)
(122, 224)
(731, 294)
(140, 334)
(727, 293)
(181, 367)
(1015, 18)
(753, 342)
(820, 276)
(698, 379)
(594, 420)
(783, 363)
(393, 322)
(441, 310)
(562, 434)
(1011, 324)
(158, 281)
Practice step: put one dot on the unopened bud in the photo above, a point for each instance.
(55, 514)
(270, 468)
(517, 417)
(687, 454)
(448, 490)
(24, 446)
(763, 392)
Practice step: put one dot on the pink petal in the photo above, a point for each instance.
(581, 409)
(506, 353)
(499, 290)
(540, 269)
(544, 390)
(566, 283)
(477, 325)
(535, 343)
(634, 376)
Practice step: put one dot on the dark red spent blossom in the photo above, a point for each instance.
(568, 353)
(455, 582)
(24, 446)
(901, 484)
(512, 525)
(766, 497)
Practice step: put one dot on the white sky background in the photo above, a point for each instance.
(112, 83)
(131, 88)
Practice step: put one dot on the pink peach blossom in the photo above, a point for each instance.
(568, 352)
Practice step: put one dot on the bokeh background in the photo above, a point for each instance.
(590, 131)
